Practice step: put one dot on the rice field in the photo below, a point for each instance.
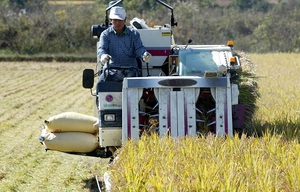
(278, 104)
(207, 164)
(265, 161)
(32, 92)
(279, 84)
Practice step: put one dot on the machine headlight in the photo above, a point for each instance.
(222, 69)
(208, 74)
(109, 117)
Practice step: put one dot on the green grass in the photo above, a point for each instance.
(42, 57)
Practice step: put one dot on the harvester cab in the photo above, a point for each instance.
(184, 90)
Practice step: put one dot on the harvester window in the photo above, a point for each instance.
(196, 62)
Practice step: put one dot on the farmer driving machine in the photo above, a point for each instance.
(184, 90)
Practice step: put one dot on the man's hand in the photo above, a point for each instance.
(104, 58)
(147, 57)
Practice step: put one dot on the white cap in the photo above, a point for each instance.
(117, 13)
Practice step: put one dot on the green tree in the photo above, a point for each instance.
(276, 34)
(257, 5)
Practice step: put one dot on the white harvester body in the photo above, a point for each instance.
(184, 90)
(191, 68)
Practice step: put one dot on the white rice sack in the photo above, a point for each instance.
(72, 122)
(69, 141)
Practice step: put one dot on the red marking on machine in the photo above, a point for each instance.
(164, 52)
(109, 98)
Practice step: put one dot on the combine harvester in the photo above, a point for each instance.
(184, 90)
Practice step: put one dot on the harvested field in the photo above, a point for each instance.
(30, 93)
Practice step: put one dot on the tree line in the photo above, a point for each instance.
(34, 26)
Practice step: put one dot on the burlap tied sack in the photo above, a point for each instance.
(69, 141)
(72, 122)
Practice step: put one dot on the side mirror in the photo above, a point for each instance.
(88, 78)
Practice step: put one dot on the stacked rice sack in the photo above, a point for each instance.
(70, 132)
